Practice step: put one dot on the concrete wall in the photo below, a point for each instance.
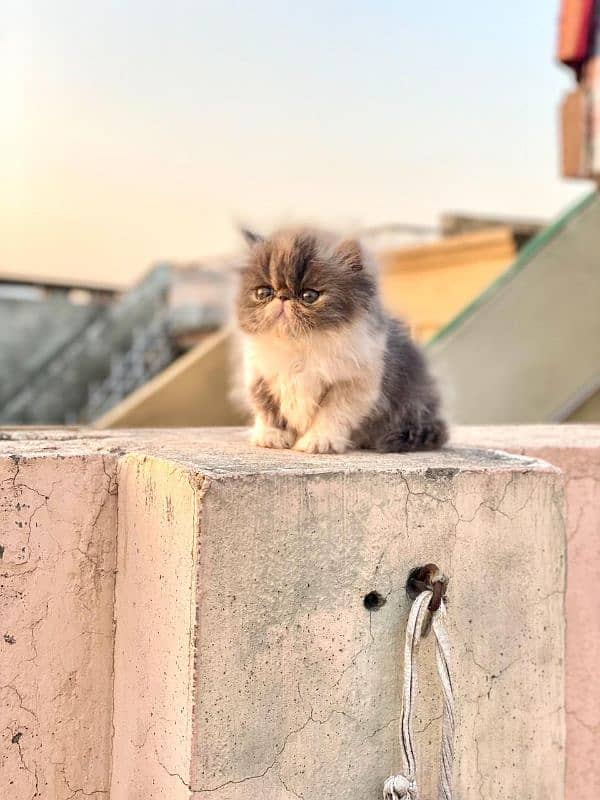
(58, 519)
(588, 411)
(193, 391)
(576, 450)
(528, 347)
(156, 633)
(33, 331)
(245, 664)
(429, 284)
(296, 685)
(59, 389)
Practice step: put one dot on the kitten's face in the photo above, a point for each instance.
(296, 282)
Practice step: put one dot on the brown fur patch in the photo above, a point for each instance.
(266, 402)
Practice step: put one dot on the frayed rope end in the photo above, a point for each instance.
(399, 788)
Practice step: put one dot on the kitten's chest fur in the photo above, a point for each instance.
(300, 373)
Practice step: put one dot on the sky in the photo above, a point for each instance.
(137, 131)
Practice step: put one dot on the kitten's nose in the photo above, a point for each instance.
(282, 295)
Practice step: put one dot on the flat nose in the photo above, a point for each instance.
(283, 294)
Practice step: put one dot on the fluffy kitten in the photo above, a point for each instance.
(325, 368)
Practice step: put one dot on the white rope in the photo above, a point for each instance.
(404, 787)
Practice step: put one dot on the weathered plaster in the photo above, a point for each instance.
(246, 664)
(296, 684)
(57, 533)
(156, 630)
(575, 449)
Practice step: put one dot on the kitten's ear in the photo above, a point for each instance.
(351, 254)
(251, 237)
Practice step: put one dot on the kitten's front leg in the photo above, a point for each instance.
(266, 435)
(317, 440)
(270, 427)
(342, 409)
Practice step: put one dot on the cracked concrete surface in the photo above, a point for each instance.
(245, 664)
(575, 449)
(254, 666)
(57, 531)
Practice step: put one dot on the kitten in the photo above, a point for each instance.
(325, 368)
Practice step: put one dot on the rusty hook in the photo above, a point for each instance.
(427, 578)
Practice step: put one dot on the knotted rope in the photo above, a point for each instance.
(428, 607)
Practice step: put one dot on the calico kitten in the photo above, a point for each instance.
(325, 368)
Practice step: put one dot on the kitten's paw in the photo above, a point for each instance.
(314, 442)
(429, 435)
(272, 437)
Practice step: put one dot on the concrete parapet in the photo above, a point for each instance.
(575, 449)
(245, 662)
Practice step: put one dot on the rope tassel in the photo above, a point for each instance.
(398, 787)
(428, 606)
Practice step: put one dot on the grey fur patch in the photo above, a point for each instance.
(408, 415)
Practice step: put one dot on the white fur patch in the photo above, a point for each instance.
(299, 373)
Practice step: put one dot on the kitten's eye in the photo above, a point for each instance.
(264, 293)
(309, 296)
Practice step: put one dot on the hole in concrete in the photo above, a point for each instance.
(373, 601)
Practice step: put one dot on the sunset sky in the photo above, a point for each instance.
(132, 131)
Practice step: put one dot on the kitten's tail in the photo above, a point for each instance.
(429, 435)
